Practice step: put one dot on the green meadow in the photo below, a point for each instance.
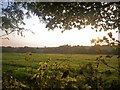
(17, 60)
(16, 65)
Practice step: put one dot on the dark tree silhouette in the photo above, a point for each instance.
(63, 15)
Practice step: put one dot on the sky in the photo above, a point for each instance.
(51, 38)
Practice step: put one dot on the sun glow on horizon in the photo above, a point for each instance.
(52, 38)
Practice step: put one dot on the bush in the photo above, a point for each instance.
(51, 75)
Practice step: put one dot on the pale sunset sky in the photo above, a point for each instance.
(51, 38)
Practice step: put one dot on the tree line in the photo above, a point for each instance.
(64, 49)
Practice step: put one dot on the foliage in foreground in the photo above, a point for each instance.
(61, 15)
(56, 75)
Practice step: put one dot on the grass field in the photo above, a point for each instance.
(15, 62)
(21, 69)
